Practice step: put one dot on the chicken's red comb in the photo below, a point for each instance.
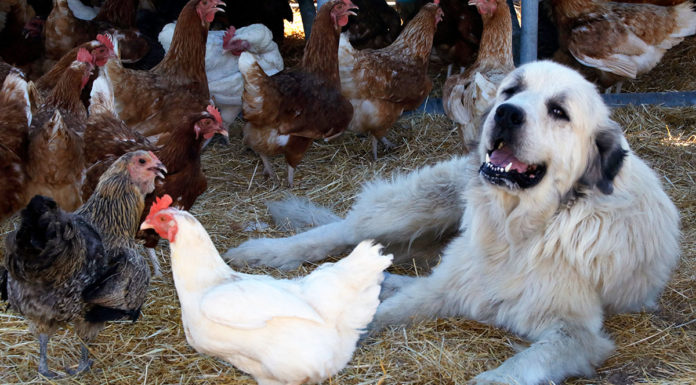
(158, 205)
(437, 2)
(229, 34)
(214, 111)
(84, 56)
(106, 41)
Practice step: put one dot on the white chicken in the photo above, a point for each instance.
(280, 331)
(222, 52)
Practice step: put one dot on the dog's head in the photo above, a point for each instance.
(549, 129)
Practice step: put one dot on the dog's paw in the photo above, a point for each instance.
(393, 283)
(262, 252)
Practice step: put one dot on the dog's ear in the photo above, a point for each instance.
(607, 159)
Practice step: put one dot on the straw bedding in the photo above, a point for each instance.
(655, 347)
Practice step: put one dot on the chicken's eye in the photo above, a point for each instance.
(141, 161)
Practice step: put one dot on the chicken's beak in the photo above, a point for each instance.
(217, 3)
(159, 170)
(352, 7)
(146, 225)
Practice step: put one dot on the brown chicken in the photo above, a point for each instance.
(179, 149)
(64, 31)
(85, 267)
(458, 36)
(620, 40)
(15, 110)
(375, 26)
(55, 157)
(108, 135)
(152, 101)
(287, 111)
(466, 97)
(383, 83)
(19, 33)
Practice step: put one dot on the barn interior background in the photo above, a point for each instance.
(658, 347)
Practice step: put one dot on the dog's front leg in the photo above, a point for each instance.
(397, 211)
(413, 299)
(562, 351)
(288, 253)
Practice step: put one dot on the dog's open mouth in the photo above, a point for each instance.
(504, 169)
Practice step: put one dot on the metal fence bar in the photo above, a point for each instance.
(528, 40)
(665, 99)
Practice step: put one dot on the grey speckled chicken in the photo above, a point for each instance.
(85, 267)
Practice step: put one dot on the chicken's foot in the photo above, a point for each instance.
(84, 364)
(43, 361)
(387, 145)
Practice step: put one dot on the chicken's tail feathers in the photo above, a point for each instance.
(98, 314)
(365, 264)
(247, 63)
(685, 20)
(101, 97)
(299, 214)
(363, 272)
(16, 88)
(33, 238)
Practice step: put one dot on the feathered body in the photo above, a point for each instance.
(83, 267)
(151, 101)
(108, 136)
(15, 109)
(383, 83)
(287, 111)
(55, 156)
(64, 31)
(621, 40)
(466, 97)
(375, 26)
(20, 46)
(279, 331)
(222, 51)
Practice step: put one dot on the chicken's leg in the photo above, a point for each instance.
(156, 268)
(267, 167)
(387, 145)
(43, 361)
(84, 364)
(291, 175)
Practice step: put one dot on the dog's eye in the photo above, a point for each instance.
(508, 92)
(557, 112)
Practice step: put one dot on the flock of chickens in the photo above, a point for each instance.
(89, 144)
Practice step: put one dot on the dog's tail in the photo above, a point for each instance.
(299, 214)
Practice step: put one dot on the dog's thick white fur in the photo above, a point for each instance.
(586, 230)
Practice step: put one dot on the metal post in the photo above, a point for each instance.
(530, 20)
(307, 12)
(515, 33)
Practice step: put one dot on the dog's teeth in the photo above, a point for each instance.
(500, 145)
(488, 158)
(508, 167)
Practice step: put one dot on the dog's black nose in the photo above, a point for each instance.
(509, 116)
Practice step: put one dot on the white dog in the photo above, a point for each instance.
(558, 222)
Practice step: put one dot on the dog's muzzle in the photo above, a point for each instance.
(501, 166)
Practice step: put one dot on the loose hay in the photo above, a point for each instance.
(657, 347)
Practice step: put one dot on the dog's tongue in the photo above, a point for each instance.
(503, 156)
